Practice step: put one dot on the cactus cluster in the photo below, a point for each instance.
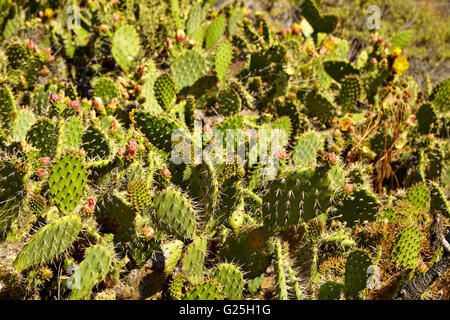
(343, 204)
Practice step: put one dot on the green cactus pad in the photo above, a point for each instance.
(356, 272)
(8, 110)
(196, 16)
(427, 118)
(296, 196)
(157, 128)
(231, 280)
(419, 196)
(229, 102)
(125, 46)
(305, 151)
(439, 201)
(96, 143)
(139, 194)
(174, 214)
(324, 24)
(194, 260)
(164, 90)
(320, 105)
(12, 191)
(172, 251)
(42, 135)
(115, 215)
(208, 290)
(215, 31)
(248, 250)
(224, 55)
(49, 242)
(67, 181)
(92, 270)
(106, 89)
(176, 286)
(351, 89)
(72, 133)
(338, 70)
(406, 247)
(440, 96)
(187, 68)
(330, 290)
(22, 123)
(361, 206)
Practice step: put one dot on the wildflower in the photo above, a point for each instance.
(400, 65)
(329, 44)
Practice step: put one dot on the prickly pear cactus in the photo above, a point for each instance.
(204, 150)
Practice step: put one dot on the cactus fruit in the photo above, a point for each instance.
(51, 241)
(67, 181)
(406, 247)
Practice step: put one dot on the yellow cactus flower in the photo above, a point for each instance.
(396, 52)
(214, 14)
(400, 65)
(48, 12)
(329, 45)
